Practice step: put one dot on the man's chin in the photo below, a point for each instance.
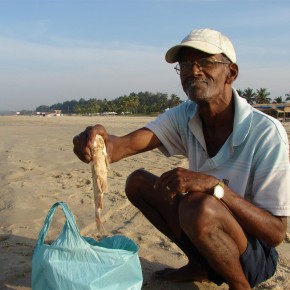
(195, 97)
(200, 101)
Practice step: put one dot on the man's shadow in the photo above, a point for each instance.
(150, 282)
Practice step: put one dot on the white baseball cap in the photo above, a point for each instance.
(206, 40)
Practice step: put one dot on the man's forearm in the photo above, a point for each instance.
(136, 142)
(256, 221)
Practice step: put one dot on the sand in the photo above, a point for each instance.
(38, 168)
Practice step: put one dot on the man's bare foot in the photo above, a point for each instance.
(187, 273)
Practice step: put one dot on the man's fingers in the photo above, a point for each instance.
(82, 147)
(85, 140)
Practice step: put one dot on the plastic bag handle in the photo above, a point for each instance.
(70, 221)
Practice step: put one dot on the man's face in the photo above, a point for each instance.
(202, 82)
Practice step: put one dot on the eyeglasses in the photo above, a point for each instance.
(202, 63)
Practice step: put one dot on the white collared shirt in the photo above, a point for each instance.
(254, 159)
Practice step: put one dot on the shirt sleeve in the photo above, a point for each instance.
(169, 127)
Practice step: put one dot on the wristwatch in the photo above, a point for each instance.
(218, 190)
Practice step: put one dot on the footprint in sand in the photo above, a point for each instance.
(15, 175)
(115, 173)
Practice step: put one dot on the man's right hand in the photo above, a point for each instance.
(84, 141)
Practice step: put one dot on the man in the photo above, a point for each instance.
(229, 210)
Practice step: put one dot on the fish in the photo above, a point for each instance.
(99, 168)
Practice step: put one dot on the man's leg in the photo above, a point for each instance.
(217, 236)
(214, 234)
(165, 217)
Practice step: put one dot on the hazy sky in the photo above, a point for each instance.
(58, 50)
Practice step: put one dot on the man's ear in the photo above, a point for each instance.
(232, 73)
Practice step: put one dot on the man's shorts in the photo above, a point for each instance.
(259, 263)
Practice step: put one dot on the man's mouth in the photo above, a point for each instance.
(195, 83)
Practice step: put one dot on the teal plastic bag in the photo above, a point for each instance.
(75, 262)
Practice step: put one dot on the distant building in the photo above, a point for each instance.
(57, 113)
(278, 111)
(50, 114)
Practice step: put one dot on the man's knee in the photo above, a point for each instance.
(134, 182)
(197, 213)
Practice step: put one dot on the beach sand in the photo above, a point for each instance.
(39, 168)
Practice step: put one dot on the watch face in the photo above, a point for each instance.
(218, 192)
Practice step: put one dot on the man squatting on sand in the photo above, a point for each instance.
(229, 210)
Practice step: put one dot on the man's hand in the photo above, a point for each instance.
(84, 141)
(180, 180)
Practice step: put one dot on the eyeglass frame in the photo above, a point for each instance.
(212, 61)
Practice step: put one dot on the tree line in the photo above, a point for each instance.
(261, 96)
(141, 103)
(146, 103)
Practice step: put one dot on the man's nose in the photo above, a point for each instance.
(195, 68)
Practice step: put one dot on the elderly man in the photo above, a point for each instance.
(229, 210)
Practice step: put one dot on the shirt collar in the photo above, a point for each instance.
(242, 121)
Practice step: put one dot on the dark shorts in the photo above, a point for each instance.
(259, 263)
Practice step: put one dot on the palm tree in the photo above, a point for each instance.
(133, 103)
(262, 96)
(278, 100)
(174, 101)
(92, 106)
(124, 102)
(249, 95)
(111, 106)
(240, 92)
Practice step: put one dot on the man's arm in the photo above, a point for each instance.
(256, 221)
(136, 142)
(118, 148)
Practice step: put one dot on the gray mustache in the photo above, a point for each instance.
(194, 82)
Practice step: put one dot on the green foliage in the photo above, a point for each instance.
(141, 103)
(278, 100)
(43, 108)
(261, 96)
(249, 95)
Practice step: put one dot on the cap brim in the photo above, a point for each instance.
(172, 55)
